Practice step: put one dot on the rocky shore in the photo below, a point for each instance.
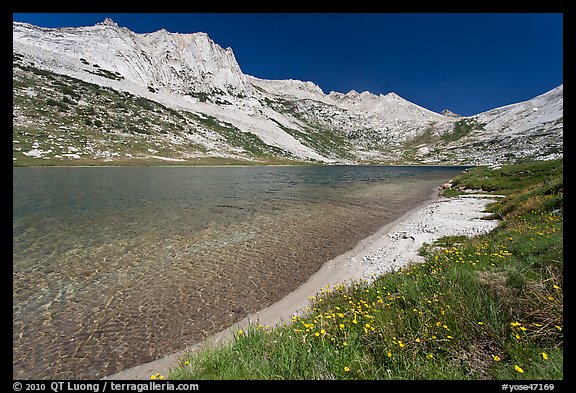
(459, 216)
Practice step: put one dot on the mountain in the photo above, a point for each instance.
(104, 94)
(180, 63)
(448, 112)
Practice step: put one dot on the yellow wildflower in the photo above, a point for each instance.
(341, 326)
(518, 369)
(544, 355)
(496, 358)
(346, 369)
(389, 354)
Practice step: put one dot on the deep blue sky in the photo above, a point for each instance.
(468, 63)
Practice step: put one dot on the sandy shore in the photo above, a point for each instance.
(394, 246)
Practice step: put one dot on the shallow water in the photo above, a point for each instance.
(114, 267)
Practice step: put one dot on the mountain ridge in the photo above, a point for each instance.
(231, 115)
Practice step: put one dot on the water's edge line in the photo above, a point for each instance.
(335, 271)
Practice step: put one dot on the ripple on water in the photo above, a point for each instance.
(106, 286)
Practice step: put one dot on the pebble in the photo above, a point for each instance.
(457, 216)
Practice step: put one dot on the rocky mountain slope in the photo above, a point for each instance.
(103, 94)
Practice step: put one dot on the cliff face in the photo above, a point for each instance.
(179, 63)
(176, 96)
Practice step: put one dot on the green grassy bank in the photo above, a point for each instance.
(489, 307)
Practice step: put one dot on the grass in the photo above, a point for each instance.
(489, 307)
(508, 178)
(326, 142)
(462, 128)
(410, 148)
(94, 119)
(244, 140)
(24, 161)
(106, 73)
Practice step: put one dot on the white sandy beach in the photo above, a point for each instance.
(394, 246)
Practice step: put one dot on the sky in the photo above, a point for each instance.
(467, 63)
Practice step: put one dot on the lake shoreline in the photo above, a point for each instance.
(244, 165)
(392, 247)
(211, 245)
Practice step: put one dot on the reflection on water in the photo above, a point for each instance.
(114, 267)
